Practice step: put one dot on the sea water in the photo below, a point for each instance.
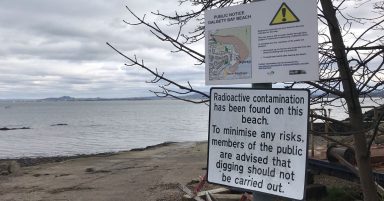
(86, 127)
(66, 128)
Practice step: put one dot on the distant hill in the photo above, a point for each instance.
(68, 98)
(377, 94)
(63, 98)
(191, 96)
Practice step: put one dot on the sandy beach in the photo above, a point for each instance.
(149, 174)
(145, 174)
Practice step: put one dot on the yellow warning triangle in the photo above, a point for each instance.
(284, 15)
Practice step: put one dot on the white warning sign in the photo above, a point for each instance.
(264, 41)
(258, 140)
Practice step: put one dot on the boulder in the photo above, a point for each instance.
(9, 167)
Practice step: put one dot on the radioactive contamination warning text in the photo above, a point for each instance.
(258, 140)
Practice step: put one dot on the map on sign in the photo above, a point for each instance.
(229, 52)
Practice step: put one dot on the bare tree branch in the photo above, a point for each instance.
(165, 37)
(158, 77)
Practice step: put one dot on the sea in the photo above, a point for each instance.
(67, 128)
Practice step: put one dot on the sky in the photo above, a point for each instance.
(58, 48)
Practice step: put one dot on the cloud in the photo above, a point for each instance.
(55, 48)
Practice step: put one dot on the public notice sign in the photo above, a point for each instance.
(258, 140)
(265, 41)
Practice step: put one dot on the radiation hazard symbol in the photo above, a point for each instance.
(284, 15)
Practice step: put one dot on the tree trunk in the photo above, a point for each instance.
(352, 99)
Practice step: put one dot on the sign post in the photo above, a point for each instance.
(256, 195)
(258, 140)
(260, 43)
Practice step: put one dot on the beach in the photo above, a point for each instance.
(152, 173)
(146, 174)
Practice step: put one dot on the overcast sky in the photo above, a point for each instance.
(56, 48)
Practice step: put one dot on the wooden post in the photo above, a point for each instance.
(312, 137)
(327, 124)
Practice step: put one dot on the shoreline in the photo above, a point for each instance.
(33, 161)
(150, 173)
